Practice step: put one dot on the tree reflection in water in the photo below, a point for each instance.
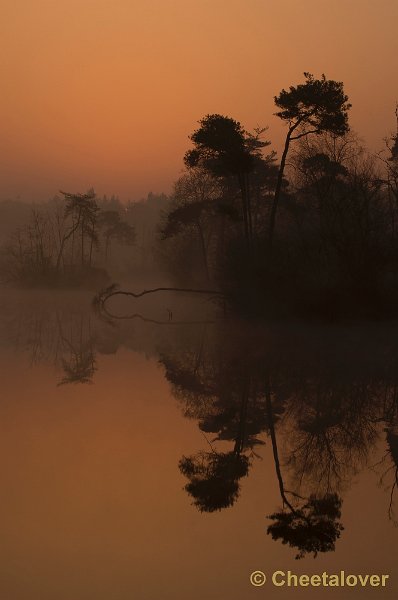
(214, 478)
(312, 528)
(322, 398)
(78, 356)
(325, 397)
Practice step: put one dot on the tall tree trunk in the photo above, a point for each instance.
(204, 251)
(270, 416)
(241, 180)
(240, 439)
(278, 189)
(107, 240)
(91, 243)
(249, 208)
(82, 243)
(65, 238)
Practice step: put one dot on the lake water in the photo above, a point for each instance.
(146, 458)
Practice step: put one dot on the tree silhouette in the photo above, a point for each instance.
(391, 162)
(194, 210)
(83, 209)
(316, 106)
(214, 478)
(312, 528)
(80, 367)
(392, 442)
(224, 148)
(113, 227)
(79, 363)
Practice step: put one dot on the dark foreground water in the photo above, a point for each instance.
(158, 459)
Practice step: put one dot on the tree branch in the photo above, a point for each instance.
(297, 137)
(102, 297)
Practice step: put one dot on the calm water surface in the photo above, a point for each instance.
(150, 458)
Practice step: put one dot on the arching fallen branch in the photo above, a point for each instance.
(100, 300)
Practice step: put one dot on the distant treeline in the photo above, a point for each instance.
(77, 240)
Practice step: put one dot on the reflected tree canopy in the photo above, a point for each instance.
(312, 528)
(214, 478)
(318, 398)
(317, 401)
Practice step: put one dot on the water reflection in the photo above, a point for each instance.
(319, 397)
(323, 399)
(64, 335)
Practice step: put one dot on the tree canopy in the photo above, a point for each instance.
(316, 106)
(219, 145)
(320, 104)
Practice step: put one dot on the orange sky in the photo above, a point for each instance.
(104, 93)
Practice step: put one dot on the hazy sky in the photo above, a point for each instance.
(104, 93)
